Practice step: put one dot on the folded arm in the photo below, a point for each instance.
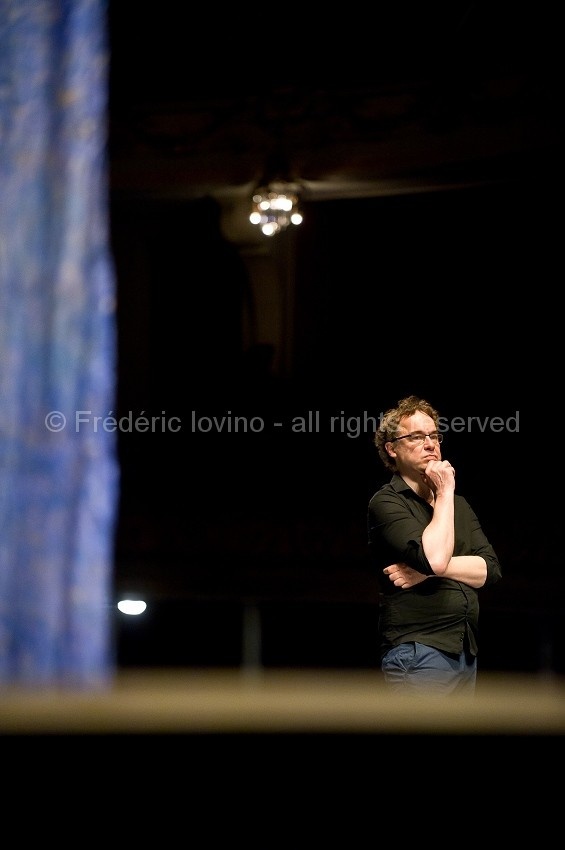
(470, 569)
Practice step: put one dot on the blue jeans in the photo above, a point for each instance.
(416, 668)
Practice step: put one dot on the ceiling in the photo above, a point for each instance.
(411, 99)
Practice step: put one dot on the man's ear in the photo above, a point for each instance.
(389, 450)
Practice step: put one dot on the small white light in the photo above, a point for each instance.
(132, 606)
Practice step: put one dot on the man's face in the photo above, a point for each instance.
(413, 453)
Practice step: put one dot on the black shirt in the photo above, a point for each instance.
(438, 612)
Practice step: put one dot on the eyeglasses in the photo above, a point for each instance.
(419, 438)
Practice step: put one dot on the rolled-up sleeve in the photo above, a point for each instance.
(395, 530)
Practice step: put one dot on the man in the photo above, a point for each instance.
(432, 558)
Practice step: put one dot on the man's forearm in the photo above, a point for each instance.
(438, 538)
(470, 569)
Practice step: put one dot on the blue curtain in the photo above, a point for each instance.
(58, 461)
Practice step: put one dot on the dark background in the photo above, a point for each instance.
(251, 548)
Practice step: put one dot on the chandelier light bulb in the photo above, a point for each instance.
(274, 207)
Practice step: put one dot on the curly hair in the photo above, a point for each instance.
(390, 422)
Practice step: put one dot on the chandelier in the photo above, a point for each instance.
(275, 206)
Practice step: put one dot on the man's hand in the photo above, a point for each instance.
(403, 576)
(439, 475)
